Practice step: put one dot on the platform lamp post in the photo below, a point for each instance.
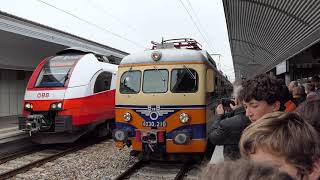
(215, 54)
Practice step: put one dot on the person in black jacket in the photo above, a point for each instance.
(227, 127)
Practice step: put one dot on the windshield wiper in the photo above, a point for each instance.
(66, 77)
(190, 73)
(162, 77)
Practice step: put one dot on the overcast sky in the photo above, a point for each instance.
(131, 25)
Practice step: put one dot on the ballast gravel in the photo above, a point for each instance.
(100, 161)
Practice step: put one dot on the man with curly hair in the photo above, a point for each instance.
(261, 95)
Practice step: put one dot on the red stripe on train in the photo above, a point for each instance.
(85, 110)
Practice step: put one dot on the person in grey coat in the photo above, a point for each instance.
(227, 127)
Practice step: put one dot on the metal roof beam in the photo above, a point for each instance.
(277, 9)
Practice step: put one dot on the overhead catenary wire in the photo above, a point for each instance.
(92, 24)
(196, 25)
(119, 20)
(94, 5)
(201, 27)
(203, 34)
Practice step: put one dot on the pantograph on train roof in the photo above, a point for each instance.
(186, 43)
(171, 50)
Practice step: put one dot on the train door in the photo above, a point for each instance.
(210, 96)
(103, 98)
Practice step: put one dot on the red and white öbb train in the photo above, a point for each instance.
(69, 95)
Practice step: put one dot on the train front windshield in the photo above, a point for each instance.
(56, 71)
(183, 80)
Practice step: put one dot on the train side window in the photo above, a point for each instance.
(184, 80)
(216, 81)
(210, 78)
(130, 82)
(103, 82)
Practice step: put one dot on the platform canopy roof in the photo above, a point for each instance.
(263, 33)
(24, 43)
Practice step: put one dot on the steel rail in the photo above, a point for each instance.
(42, 161)
(19, 154)
(183, 170)
(129, 171)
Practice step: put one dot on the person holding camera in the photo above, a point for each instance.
(228, 127)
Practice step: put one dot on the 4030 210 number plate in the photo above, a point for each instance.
(154, 124)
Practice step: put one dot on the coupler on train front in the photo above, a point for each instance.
(153, 145)
(49, 128)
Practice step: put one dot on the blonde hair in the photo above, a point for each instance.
(243, 169)
(283, 135)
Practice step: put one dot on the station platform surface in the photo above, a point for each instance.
(9, 129)
(8, 122)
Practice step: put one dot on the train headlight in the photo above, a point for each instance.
(127, 117)
(120, 135)
(184, 118)
(181, 138)
(59, 105)
(56, 106)
(28, 106)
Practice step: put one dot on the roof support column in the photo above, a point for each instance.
(287, 78)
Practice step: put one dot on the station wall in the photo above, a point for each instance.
(12, 88)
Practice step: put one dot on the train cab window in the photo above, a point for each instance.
(218, 83)
(130, 82)
(155, 81)
(184, 80)
(56, 71)
(103, 82)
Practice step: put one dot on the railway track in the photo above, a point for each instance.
(23, 161)
(156, 170)
(17, 154)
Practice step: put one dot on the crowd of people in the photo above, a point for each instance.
(272, 133)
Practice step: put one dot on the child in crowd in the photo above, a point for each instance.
(284, 140)
(243, 170)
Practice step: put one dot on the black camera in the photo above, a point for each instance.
(226, 102)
